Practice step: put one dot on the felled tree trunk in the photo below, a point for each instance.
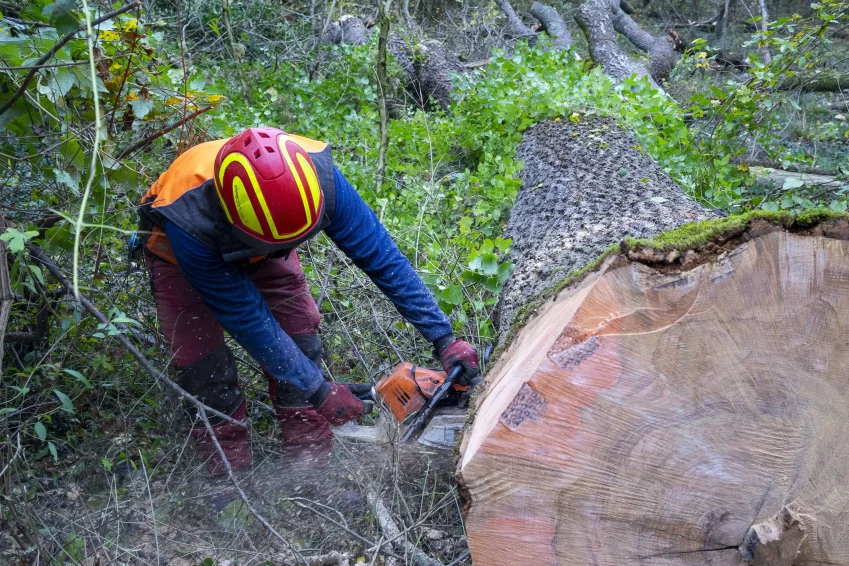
(684, 403)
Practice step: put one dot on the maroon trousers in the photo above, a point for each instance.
(191, 330)
(206, 368)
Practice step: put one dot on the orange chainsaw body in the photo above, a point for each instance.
(407, 387)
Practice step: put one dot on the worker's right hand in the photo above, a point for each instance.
(340, 406)
(459, 353)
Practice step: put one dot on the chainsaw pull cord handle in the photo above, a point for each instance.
(425, 412)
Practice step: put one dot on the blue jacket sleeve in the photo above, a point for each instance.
(356, 231)
(237, 304)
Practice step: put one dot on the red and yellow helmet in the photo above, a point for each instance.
(269, 189)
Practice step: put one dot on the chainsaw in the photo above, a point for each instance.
(415, 396)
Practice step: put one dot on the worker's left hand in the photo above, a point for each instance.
(460, 352)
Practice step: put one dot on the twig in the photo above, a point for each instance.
(242, 496)
(59, 44)
(12, 459)
(142, 143)
(459, 559)
(392, 532)
(39, 255)
(152, 509)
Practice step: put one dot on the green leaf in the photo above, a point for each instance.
(17, 239)
(67, 405)
(453, 295)
(106, 463)
(80, 377)
(141, 107)
(771, 206)
(40, 431)
(52, 448)
(36, 272)
(66, 179)
(61, 15)
(792, 183)
(489, 264)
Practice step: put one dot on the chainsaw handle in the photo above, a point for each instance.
(425, 412)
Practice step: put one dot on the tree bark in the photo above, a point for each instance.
(354, 31)
(596, 19)
(661, 50)
(429, 67)
(674, 406)
(553, 25)
(822, 82)
(516, 29)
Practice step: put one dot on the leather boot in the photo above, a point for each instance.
(234, 443)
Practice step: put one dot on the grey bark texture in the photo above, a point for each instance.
(354, 31)
(596, 19)
(584, 187)
(661, 49)
(553, 25)
(333, 33)
(516, 28)
(429, 66)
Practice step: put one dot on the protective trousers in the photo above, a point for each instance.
(206, 368)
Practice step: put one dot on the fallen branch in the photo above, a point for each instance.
(391, 532)
(159, 133)
(59, 44)
(37, 253)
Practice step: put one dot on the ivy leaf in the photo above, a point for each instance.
(61, 15)
(67, 405)
(40, 431)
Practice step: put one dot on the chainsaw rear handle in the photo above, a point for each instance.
(425, 412)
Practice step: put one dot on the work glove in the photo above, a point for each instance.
(458, 352)
(339, 406)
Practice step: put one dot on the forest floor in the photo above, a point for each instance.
(173, 513)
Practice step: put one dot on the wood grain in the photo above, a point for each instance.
(654, 419)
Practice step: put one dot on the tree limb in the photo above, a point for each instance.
(553, 24)
(159, 133)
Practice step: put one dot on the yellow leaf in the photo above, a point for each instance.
(575, 117)
(557, 119)
(132, 96)
(214, 98)
(131, 25)
(702, 55)
(173, 100)
(744, 167)
(109, 35)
